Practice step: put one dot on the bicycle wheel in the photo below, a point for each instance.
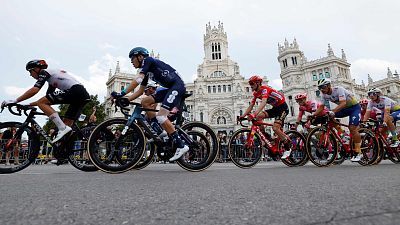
(115, 149)
(196, 158)
(206, 158)
(394, 155)
(241, 154)
(381, 153)
(148, 156)
(77, 147)
(321, 150)
(341, 156)
(298, 156)
(17, 154)
(369, 147)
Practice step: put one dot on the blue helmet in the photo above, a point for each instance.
(138, 51)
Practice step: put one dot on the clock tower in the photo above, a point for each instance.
(215, 43)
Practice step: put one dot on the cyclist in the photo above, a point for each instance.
(390, 109)
(308, 106)
(168, 77)
(374, 112)
(347, 105)
(279, 108)
(70, 92)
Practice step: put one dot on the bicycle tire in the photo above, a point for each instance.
(78, 159)
(214, 144)
(193, 160)
(133, 150)
(312, 143)
(148, 159)
(366, 137)
(32, 149)
(235, 153)
(299, 156)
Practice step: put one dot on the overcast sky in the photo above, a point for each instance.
(87, 38)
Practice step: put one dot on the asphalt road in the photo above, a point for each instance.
(269, 193)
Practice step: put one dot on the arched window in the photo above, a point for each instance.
(201, 116)
(219, 88)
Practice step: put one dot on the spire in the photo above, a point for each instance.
(295, 45)
(286, 43)
(370, 80)
(344, 55)
(362, 83)
(117, 68)
(396, 75)
(389, 73)
(110, 73)
(330, 51)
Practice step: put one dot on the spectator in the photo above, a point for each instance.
(8, 144)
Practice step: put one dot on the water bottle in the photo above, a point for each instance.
(346, 139)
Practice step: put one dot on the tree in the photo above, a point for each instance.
(87, 110)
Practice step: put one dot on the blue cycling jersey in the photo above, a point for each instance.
(159, 72)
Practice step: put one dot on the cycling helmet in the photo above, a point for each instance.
(323, 82)
(363, 101)
(255, 78)
(300, 96)
(36, 63)
(374, 90)
(138, 51)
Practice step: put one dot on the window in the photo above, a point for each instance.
(317, 93)
(201, 116)
(224, 88)
(214, 89)
(229, 88)
(314, 75)
(218, 74)
(291, 110)
(209, 89)
(216, 51)
(219, 88)
(284, 63)
(240, 112)
(122, 86)
(247, 89)
(321, 76)
(327, 72)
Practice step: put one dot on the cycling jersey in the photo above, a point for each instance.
(273, 97)
(384, 102)
(339, 94)
(60, 79)
(372, 113)
(311, 106)
(159, 72)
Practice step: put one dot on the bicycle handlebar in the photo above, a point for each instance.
(20, 108)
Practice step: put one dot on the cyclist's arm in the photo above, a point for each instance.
(319, 110)
(341, 105)
(301, 112)
(367, 115)
(28, 94)
(134, 83)
(143, 82)
(248, 110)
(261, 106)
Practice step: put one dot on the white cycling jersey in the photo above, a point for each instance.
(56, 78)
(339, 94)
(384, 102)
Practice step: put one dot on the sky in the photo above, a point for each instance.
(88, 37)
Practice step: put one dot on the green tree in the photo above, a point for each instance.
(87, 110)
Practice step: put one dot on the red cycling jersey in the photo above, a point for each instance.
(311, 106)
(274, 97)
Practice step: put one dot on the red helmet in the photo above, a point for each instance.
(255, 79)
(363, 101)
(300, 96)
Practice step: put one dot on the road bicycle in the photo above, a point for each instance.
(246, 145)
(386, 151)
(325, 146)
(136, 130)
(27, 140)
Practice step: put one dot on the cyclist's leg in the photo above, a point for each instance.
(280, 114)
(391, 122)
(172, 98)
(354, 114)
(45, 103)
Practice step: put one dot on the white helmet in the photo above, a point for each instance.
(323, 82)
(374, 90)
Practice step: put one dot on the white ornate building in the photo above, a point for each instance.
(300, 75)
(220, 92)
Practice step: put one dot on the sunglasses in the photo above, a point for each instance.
(252, 83)
(300, 100)
(372, 94)
(322, 86)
